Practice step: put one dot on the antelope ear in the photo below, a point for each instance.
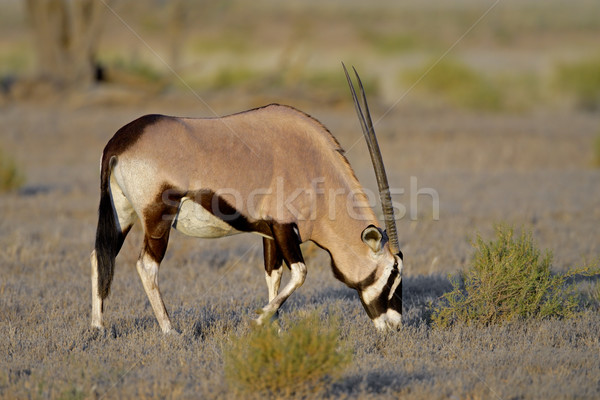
(372, 237)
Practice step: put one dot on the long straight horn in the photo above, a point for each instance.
(382, 182)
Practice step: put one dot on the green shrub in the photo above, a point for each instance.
(582, 79)
(509, 278)
(458, 84)
(301, 360)
(11, 178)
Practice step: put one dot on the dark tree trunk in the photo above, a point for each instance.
(66, 35)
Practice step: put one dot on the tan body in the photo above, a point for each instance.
(274, 171)
(265, 163)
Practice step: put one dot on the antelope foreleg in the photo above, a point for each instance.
(273, 267)
(298, 276)
(286, 246)
(273, 281)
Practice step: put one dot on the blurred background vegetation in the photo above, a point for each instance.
(521, 56)
(507, 57)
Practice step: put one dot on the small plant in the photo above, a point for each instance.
(597, 150)
(11, 178)
(301, 360)
(459, 84)
(582, 79)
(509, 278)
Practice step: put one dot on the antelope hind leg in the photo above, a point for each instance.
(97, 302)
(147, 267)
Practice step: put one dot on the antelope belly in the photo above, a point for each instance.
(193, 220)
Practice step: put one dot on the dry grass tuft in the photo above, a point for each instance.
(304, 359)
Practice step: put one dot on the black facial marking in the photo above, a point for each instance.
(396, 300)
(381, 303)
(368, 281)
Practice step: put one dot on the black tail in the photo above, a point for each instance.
(108, 235)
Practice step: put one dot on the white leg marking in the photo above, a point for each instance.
(148, 271)
(297, 279)
(273, 282)
(96, 299)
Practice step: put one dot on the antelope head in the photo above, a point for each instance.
(381, 294)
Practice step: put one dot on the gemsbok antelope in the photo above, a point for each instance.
(274, 171)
